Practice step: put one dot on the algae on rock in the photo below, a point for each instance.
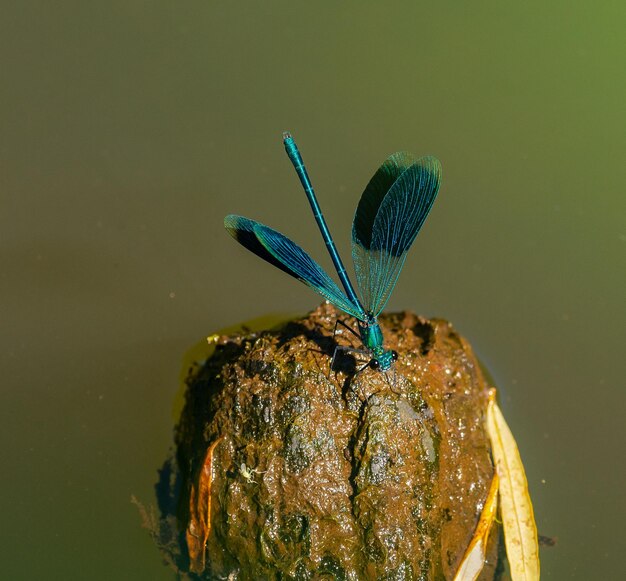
(292, 471)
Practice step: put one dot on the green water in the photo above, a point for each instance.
(129, 129)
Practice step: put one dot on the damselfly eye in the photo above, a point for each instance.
(374, 364)
(394, 355)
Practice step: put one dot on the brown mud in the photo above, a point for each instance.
(289, 470)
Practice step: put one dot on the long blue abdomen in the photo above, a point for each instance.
(296, 159)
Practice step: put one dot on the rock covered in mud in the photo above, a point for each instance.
(291, 470)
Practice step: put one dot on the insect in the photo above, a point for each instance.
(389, 216)
(248, 473)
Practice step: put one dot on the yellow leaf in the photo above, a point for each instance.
(520, 532)
(474, 559)
(199, 527)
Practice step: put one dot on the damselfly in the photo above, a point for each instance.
(389, 216)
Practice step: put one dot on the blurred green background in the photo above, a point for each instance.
(129, 129)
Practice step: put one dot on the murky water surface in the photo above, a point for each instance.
(129, 129)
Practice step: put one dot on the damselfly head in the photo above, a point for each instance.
(383, 361)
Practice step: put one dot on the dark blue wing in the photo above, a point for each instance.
(388, 218)
(386, 175)
(278, 250)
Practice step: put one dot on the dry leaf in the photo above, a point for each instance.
(474, 558)
(200, 513)
(520, 532)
